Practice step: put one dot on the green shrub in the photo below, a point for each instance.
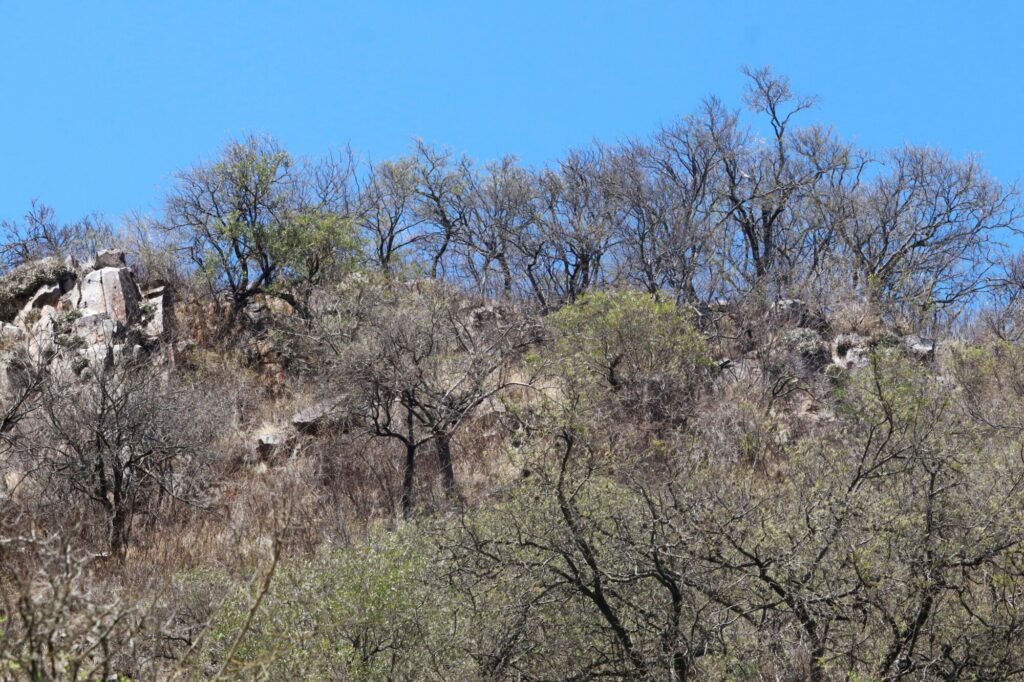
(646, 352)
(366, 612)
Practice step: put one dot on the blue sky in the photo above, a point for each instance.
(100, 102)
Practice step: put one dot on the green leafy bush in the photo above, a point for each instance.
(365, 613)
(646, 352)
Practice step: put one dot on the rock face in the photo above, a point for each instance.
(920, 348)
(481, 317)
(271, 442)
(157, 312)
(796, 312)
(67, 317)
(21, 284)
(111, 291)
(808, 345)
(45, 296)
(850, 351)
(313, 419)
(96, 328)
(109, 258)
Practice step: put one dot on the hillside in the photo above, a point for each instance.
(739, 400)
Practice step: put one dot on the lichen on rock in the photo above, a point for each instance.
(21, 283)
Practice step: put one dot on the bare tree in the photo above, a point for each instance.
(442, 202)
(123, 439)
(663, 201)
(922, 234)
(564, 256)
(477, 214)
(765, 187)
(418, 365)
(387, 213)
(40, 236)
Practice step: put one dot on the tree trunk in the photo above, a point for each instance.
(407, 479)
(444, 459)
(118, 531)
(410, 457)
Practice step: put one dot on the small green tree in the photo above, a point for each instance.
(259, 221)
(626, 343)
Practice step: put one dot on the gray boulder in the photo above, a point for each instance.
(850, 351)
(109, 258)
(157, 313)
(918, 347)
(111, 291)
(798, 313)
(807, 345)
(11, 333)
(45, 296)
(271, 443)
(313, 419)
(14, 372)
(19, 285)
(95, 328)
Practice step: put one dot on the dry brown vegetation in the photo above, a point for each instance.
(727, 403)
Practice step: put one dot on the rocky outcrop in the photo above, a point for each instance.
(111, 291)
(314, 419)
(807, 345)
(325, 417)
(853, 351)
(850, 351)
(157, 312)
(23, 283)
(67, 317)
(796, 312)
(109, 258)
(918, 347)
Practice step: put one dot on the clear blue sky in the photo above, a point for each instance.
(101, 101)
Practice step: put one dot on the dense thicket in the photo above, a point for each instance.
(738, 400)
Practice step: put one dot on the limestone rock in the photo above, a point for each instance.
(45, 296)
(850, 351)
(157, 313)
(798, 313)
(918, 347)
(21, 284)
(100, 356)
(486, 316)
(111, 291)
(12, 372)
(314, 418)
(75, 325)
(807, 345)
(109, 258)
(42, 333)
(792, 309)
(11, 333)
(94, 328)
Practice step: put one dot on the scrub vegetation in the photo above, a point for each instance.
(738, 400)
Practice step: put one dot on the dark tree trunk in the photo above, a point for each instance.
(410, 458)
(444, 459)
(407, 479)
(118, 531)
